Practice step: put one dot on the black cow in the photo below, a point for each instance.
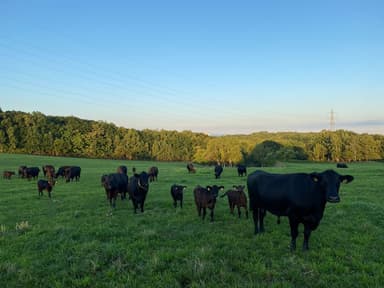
(191, 168)
(72, 172)
(299, 196)
(31, 172)
(103, 179)
(114, 184)
(138, 187)
(122, 169)
(45, 185)
(62, 171)
(177, 194)
(206, 198)
(152, 173)
(241, 170)
(218, 171)
(341, 165)
(21, 171)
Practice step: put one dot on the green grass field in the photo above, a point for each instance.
(73, 240)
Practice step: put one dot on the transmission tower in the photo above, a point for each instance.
(332, 122)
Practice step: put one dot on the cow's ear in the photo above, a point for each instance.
(346, 178)
(315, 176)
(221, 187)
(209, 188)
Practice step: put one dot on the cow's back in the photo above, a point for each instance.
(282, 193)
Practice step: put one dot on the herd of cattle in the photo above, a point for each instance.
(68, 172)
(301, 197)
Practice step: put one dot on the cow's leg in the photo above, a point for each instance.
(231, 207)
(113, 198)
(255, 214)
(174, 203)
(181, 201)
(307, 233)
(238, 210)
(142, 207)
(204, 212)
(262, 213)
(212, 214)
(294, 232)
(199, 210)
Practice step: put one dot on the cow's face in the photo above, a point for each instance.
(239, 188)
(180, 189)
(143, 180)
(330, 182)
(215, 190)
(103, 179)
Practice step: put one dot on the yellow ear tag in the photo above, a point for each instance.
(315, 178)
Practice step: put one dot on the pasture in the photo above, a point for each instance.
(74, 240)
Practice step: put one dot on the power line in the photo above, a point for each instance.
(332, 122)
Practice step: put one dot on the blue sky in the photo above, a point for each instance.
(219, 67)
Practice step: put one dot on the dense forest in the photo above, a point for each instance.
(36, 133)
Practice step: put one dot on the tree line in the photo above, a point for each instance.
(36, 133)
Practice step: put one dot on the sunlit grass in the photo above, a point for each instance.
(72, 240)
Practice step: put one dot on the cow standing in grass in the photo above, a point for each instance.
(48, 171)
(62, 171)
(72, 173)
(237, 198)
(122, 169)
(8, 174)
(21, 171)
(299, 196)
(45, 185)
(206, 198)
(138, 187)
(241, 170)
(218, 170)
(114, 184)
(191, 168)
(153, 172)
(341, 165)
(31, 172)
(177, 194)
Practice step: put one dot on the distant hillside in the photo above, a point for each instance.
(36, 133)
